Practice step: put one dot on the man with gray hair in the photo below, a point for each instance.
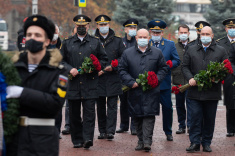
(203, 103)
(143, 106)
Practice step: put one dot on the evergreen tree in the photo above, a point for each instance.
(143, 11)
(220, 10)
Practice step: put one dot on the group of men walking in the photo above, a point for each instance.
(138, 52)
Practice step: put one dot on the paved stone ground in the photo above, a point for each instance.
(124, 144)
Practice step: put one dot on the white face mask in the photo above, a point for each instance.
(55, 37)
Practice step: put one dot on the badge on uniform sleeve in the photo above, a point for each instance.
(63, 81)
(61, 93)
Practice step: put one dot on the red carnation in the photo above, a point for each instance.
(95, 62)
(222, 82)
(152, 79)
(114, 63)
(226, 61)
(228, 66)
(175, 89)
(169, 63)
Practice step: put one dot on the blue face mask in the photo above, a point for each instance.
(156, 38)
(104, 30)
(142, 42)
(132, 33)
(206, 39)
(183, 37)
(231, 32)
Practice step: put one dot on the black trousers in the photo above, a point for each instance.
(124, 114)
(58, 120)
(144, 127)
(202, 111)
(82, 129)
(107, 123)
(34, 140)
(230, 118)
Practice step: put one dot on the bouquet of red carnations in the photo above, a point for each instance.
(148, 80)
(175, 89)
(90, 64)
(215, 73)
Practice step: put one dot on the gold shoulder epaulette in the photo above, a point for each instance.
(220, 39)
(94, 36)
(232, 42)
(118, 36)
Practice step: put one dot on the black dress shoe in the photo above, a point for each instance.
(206, 148)
(133, 132)
(87, 144)
(121, 130)
(79, 145)
(180, 131)
(102, 136)
(139, 147)
(66, 131)
(230, 134)
(169, 137)
(193, 148)
(147, 147)
(110, 136)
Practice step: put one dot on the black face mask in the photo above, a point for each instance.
(81, 30)
(34, 46)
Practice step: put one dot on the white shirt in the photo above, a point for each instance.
(231, 40)
(81, 38)
(144, 50)
(104, 36)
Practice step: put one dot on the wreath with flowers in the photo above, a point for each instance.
(10, 107)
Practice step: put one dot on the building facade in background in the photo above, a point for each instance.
(189, 12)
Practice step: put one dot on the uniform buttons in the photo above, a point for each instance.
(80, 82)
(80, 67)
(80, 53)
(81, 97)
(93, 78)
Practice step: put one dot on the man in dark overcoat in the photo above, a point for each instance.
(130, 28)
(109, 85)
(226, 42)
(203, 103)
(82, 89)
(143, 105)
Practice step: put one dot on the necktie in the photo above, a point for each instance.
(156, 44)
(205, 48)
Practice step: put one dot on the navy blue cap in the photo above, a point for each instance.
(81, 20)
(101, 19)
(157, 25)
(200, 24)
(229, 22)
(131, 23)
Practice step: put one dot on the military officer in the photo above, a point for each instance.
(199, 25)
(41, 93)
(228, 88)
(169, 52)
(83, 89)
(130, 27)
(109, 82)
